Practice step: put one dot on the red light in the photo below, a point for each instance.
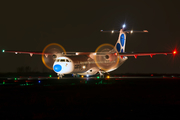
(174, 52)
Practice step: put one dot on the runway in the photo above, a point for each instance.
(24, 81)
(115, 97)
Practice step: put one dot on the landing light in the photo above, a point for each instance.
(87, 75)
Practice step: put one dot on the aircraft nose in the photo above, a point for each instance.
(57, 68)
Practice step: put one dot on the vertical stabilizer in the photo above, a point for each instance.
(121, 42)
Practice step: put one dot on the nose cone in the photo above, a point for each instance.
(57, 68)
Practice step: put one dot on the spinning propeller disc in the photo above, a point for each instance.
(50, 53)
(106, 57)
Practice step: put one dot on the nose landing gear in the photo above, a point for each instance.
(60, 75)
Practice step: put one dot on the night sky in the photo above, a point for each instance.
(76, 25)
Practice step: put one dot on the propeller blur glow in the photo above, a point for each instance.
(106, 57)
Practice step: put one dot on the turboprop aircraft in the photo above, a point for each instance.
(106, 57)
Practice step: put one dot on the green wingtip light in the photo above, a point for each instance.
(3, 50)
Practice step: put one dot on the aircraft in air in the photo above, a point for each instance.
(106, 57)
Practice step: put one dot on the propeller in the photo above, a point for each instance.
(50, 53)
(106, 57)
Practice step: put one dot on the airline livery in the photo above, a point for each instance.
(106, 57)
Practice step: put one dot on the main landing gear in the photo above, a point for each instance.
(101, 74)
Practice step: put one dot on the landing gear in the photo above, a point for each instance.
(101, 74)
(75, 75)
(60, 75)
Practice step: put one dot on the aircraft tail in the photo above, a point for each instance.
(121, 42)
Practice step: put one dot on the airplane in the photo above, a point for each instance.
(105, 59)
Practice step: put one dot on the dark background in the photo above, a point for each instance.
(76, 25)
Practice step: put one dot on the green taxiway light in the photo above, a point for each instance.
(15, 78)
(50, 75)
(97, 77)
(3, 50)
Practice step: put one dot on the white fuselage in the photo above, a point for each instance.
(81, 64)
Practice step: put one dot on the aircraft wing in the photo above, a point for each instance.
(94, 53)
(146, 54)
(26, 52)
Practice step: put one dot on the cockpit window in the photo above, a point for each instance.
(57, 60)
(62, 60)
(67, 60)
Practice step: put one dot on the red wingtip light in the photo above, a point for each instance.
(174, 52)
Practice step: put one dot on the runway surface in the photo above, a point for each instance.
(114, 97)
(23, 81)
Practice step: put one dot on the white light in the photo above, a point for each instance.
(112, 31)
(131, 31)
(84, 67)
(124, 26)
(77, 53)
(16, 52)
(87, 75)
